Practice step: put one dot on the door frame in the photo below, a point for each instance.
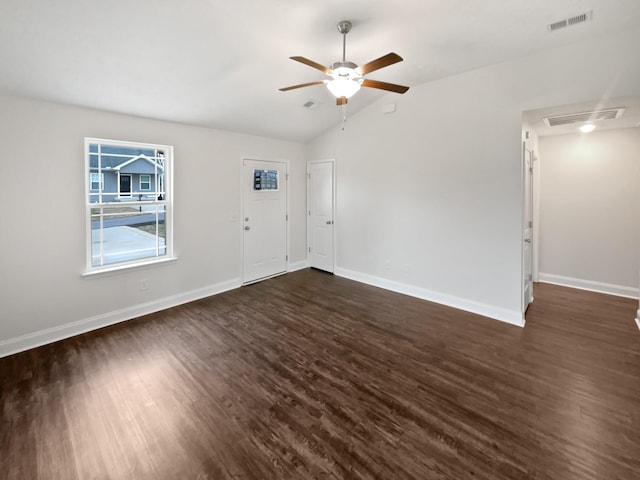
(333, 212)
(130, 193)
(242, 212)
(528, 160)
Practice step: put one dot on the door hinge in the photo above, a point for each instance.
(286, 217)
(530, 224)
(286, 258)
(287, 176)
(308, 175)
(309, 212)
(309, 249)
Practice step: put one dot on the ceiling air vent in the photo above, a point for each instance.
(311, 105)
(594, 116)
(568, 22)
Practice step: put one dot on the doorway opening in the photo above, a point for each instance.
(585, 232)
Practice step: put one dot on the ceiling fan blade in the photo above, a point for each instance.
(392, 87)
(313, 64)
(378, 63)
(341, 101)
(293, 87)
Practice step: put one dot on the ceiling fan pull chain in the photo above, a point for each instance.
(344, 115)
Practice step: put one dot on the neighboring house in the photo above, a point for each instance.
(125, 174)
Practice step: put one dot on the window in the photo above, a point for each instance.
(265, 179)
(124, 227)
(145, 182)
(97, 181)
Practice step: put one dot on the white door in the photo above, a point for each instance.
(264, 219)
(527, 236)
(321, 214)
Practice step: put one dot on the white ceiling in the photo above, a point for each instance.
(220, 63)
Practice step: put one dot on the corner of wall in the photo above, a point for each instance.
(512, 317)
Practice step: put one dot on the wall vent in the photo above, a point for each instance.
(594, 116)
(568, 22)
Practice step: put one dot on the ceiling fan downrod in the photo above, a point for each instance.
(344, 27)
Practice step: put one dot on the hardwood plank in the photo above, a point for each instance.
(311, 376)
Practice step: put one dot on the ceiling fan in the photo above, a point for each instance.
(346, 78)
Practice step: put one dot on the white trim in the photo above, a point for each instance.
(116, 267)
(600, 287)
(301, 265)
(638, 318)
(125, 195)
(142, 156)
(43, 337)
(512, 317)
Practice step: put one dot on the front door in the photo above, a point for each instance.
(125, 185)
(264, 219)
(321, 214)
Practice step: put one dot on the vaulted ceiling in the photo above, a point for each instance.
(220, 63)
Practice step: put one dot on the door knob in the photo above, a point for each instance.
(329, 222)
(247, 227)
(527, 240)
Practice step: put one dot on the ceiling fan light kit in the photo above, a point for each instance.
(346, 78)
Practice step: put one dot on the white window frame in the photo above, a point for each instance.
(148, 189)
(99, 181)
(166, 202)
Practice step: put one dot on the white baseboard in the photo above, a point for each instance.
(301, 265)
(513, 317)
(600, 287)
(638, 318)
(50, 335)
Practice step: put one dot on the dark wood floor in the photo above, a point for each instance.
(313, 376)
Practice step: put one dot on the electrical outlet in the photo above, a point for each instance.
(143, 284)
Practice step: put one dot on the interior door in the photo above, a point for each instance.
(264, 219)
(321, 215)
(527, 236)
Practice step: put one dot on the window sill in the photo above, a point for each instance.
(120, 268)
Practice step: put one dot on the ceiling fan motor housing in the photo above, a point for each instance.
(341, 68)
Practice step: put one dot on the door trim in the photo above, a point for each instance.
(333, 213)
(130, 192)
(242, 214)
(529, 154)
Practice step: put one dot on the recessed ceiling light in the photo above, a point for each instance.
(589, 127)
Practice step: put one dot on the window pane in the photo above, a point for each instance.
(127, 201)
(123, 234)
(145, 182)
(265, 180)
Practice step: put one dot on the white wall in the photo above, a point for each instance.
(590, 210)
(42, 291)
(429, 198)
